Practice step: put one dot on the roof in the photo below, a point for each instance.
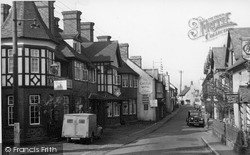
(219, 57)
(244, 92)
(125, 69)
(183, 92)
(26, 10)
(69, 52)
(102, 51)
(236, 34)
(237, 63)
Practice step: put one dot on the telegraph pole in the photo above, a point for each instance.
(181, 80)
(15, 77)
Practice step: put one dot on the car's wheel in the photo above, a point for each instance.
(91, 139)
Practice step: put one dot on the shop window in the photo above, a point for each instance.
(125, 108)
(116, 109)
(34, 101)
(134, 106)
(109, 109)
(130, 107)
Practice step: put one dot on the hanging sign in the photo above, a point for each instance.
(60, 85)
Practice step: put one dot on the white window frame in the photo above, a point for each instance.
(125, 82)
(131, 81)
(116, 108)
(135, 83)
(34, 104)
(10, 110)
(10, 61)
(34, 55)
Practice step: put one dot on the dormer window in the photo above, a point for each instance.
(77, 47)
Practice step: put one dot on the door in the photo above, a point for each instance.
(69, 126)
(82, 126)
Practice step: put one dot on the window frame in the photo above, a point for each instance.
(34, 105)
(10, 108)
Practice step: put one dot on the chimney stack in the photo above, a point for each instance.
(103, 38)
(71, 22)
(124, 50)
(4, 12)
(87, 31)
(46, 10)
(136, 60)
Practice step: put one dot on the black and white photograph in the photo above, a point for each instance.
(121, 77)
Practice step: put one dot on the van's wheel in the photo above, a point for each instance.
(68, 140)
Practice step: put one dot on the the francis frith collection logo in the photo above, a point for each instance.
(209, 28)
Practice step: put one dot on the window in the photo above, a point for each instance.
(10, 110)
(125, 80)
(10, 61)
(130, 107)
(65, 104)
(109, 109)
(116, 109)
(34, 101)
(34, 62)
(125, 107)
(118, 79)
(145, 106)
(81, 73)
(131, 81)
(78, 106)
(134, 106)
(135, 82)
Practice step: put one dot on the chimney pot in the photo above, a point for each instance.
(104, 38)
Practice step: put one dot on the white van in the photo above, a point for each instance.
(82, 126)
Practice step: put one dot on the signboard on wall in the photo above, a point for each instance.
(145, 86)
(153, 103)
(60, 85)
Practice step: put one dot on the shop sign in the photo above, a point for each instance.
(210, 28)
(60, 84)
(153, 103)
(232, 98)
(145, 86)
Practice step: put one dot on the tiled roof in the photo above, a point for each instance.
(102, 51)
(235, 35)
(219, 57)
(26, 10)
(125, 69)
(69, 52)
(183, 92)
(244, 94)
(237, 63)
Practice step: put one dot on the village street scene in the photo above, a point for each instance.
(117, 77)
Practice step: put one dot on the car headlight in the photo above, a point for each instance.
(191, 118)
(201, 119)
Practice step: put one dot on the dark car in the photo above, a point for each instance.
(195, 118)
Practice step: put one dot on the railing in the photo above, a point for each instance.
(228, 134)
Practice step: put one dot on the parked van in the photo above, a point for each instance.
(82, 126)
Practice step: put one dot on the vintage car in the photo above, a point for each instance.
(195, 118)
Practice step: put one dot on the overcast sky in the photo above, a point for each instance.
(158, 29)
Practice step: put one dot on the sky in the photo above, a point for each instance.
(158, 30)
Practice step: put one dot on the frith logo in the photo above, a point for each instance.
(209, 28)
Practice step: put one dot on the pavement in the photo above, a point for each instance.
(215, 145)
